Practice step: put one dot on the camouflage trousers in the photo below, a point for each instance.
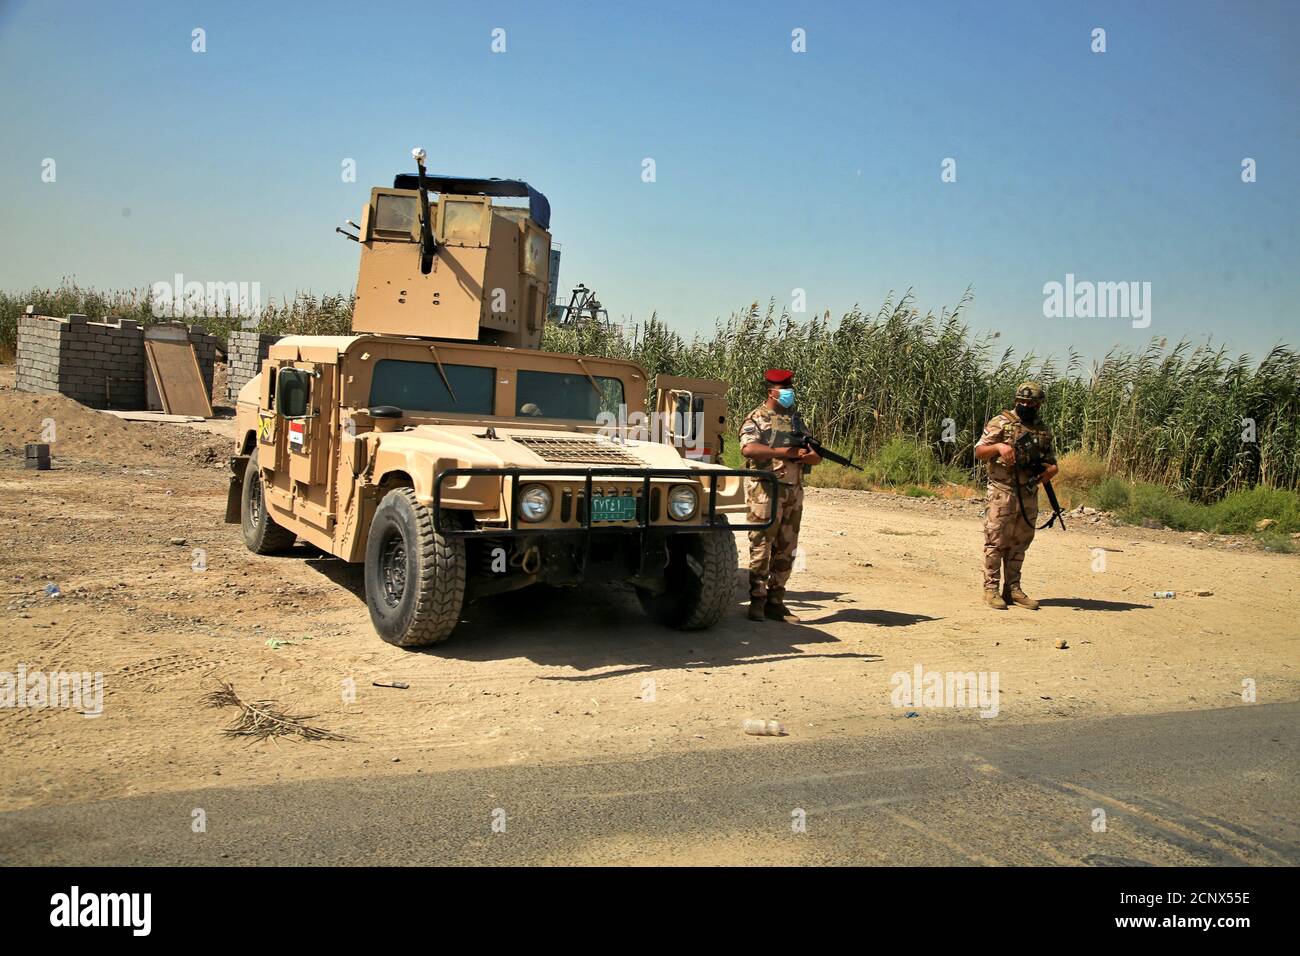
(1007, 535)
(771, 551)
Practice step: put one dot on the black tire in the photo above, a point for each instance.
(415, 577)
(700, 581)
(261, 534)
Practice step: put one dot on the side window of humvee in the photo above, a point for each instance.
(688, 410)
(293, 393)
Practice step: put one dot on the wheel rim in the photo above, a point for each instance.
(392, 569)
(255, 501)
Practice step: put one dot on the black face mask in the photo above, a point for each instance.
(1027, 413)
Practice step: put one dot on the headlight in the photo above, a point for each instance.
(682, 502)
(534, 503)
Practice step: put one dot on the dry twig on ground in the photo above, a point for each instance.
(261, 720)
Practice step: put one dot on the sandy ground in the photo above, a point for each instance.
(545, 676)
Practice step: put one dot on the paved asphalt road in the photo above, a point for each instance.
(1210, 787)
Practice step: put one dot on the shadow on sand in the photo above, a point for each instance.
(1089, 604)
(598, 627)
(595, 627)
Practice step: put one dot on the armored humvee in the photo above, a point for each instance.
(440, 447)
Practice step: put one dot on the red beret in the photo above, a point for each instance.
(779, 376)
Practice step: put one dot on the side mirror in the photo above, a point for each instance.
(385, 411)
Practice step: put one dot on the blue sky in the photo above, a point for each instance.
(775, 170)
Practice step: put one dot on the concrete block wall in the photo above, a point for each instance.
(245, 352)
(100, 364)
(40, 344)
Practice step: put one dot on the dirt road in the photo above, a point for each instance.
(1188, 789)
(162, 598)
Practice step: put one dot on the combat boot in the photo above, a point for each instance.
(756, 606)
(994, 599)
(777, 611)
(1020, 599)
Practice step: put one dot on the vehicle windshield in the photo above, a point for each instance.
(566, 395)
(417, 386)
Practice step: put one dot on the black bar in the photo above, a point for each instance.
(514, 507)
(220, 903)
(586, 517)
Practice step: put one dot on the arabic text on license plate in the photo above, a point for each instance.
(613, 508)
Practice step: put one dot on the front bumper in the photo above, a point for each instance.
(644, 520)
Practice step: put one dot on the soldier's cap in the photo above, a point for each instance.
(779, 377)
(1030, 392)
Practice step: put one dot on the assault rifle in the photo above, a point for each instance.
(803, 440)
(1031, 459)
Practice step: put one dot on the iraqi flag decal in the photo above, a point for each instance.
(296, 433)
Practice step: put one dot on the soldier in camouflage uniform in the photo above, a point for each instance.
(766, 441)
(1009, 521)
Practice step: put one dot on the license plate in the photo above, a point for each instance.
(613, 508)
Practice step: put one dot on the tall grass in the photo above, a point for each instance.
(1171, 415)
(1166, 415)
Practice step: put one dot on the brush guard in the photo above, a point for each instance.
(709, 504)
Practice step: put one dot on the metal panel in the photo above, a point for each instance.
(177, 378)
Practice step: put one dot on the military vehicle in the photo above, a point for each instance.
(439, 445)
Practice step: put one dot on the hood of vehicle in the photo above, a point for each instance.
(509, 446)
